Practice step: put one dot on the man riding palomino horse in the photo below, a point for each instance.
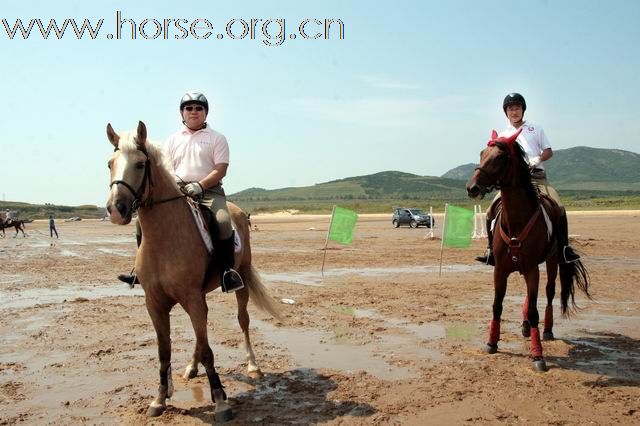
(538, 149)
(200, 158)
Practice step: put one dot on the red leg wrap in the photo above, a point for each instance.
(494, 332)
(525, 309)
(548, 317)
(536, 346)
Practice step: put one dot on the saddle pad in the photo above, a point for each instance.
(204, 232)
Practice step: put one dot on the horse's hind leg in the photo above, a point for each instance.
(160, 318)
(197, 310)
(552, 273)
(242, 296)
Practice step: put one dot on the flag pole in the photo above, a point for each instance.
(444, 227)
(326, 243)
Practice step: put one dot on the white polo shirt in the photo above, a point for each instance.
(195, 155)
(532, 139)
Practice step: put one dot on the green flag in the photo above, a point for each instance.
(458, 227)
(343, 222)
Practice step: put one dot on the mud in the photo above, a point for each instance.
(380, 338)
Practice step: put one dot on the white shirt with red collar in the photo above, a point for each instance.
(195, 155)
(532, 139)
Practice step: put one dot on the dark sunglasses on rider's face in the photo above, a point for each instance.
(191, 108)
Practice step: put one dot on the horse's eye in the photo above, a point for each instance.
(140, 165)
(109, 164)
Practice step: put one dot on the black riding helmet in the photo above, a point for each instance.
(514, 98)
(194, 98)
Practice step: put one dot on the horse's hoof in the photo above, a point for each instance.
(256, 374)
(540, 365)
(190, 373)
(547, 335)
(224, 415)
(526, 329)
(155, 410)
(490, 349)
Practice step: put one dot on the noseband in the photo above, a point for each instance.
(137, 195)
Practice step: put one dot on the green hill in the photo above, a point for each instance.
(584, 169)
(588, 178)
(42, 211)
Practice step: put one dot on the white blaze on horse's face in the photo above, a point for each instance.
(127, 167)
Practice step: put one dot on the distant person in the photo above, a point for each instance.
(249, 219)
(538, 150)
(52, 227)
(200, 158)
(7, 217)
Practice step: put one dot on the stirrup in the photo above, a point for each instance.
(569, 256)
(487, 259)
(231, 281)
(130, 279)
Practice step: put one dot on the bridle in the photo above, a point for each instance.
(139, 193)
(500, 181)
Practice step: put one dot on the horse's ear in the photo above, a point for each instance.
(494, 135)
(142, 134)
(113, 136)
(514, 136)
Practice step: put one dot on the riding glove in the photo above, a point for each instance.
(194, 189)
(534, 161)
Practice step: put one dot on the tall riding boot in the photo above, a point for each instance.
(131, 278)
(488, 259)
(230, 278)
(565, 252)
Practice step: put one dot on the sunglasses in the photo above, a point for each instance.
(191, 108)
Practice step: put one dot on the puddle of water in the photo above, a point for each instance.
(115, 252)
(31, 297)
(313, 349)
(427, 331)
(70, 243)
(315, 278)
(69, 253)
(121, 240)
(11, 279)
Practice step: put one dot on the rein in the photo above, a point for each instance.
(137, 200)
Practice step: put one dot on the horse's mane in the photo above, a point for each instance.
(525, 174)
(128, 143)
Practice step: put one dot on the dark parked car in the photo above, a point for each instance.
(411, 217)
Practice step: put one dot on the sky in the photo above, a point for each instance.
(413, 86)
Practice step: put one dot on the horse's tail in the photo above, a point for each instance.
(258, 293)
(571, 274)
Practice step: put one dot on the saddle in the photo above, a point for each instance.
(207, 226)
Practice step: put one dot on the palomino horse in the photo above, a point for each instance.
(18, 224)
(521, 240)
(172, 259)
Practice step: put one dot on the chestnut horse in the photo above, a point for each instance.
(17, 224)
(522, 240)
(172, 259)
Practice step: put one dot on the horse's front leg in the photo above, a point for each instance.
(242, 297)
(532, 278)
(552, 273)
(161, 323)
(500, 277)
